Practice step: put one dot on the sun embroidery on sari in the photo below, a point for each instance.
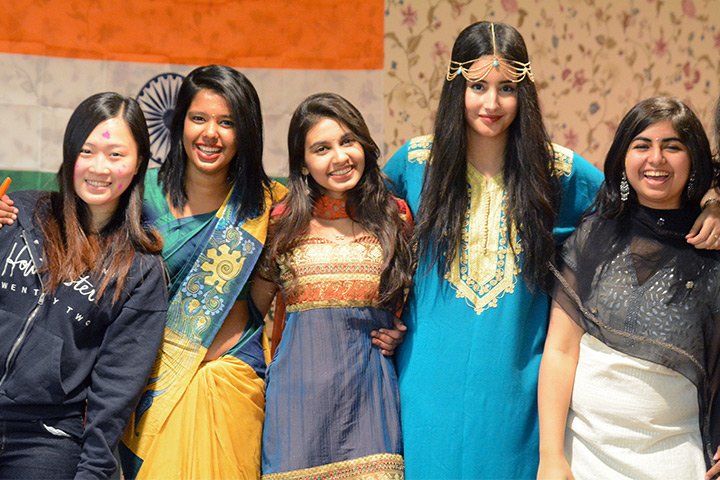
(419, 149)
(486, 265)
(224, 265)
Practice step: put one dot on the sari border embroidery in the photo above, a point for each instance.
(200, 305)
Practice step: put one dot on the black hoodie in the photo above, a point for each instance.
(67, 358)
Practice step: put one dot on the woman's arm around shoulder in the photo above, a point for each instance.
(405, 215)
(705, 232)
(8, 211)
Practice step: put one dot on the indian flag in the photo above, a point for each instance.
(55, 53)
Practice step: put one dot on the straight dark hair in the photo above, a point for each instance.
(71, 247)
(532, 189)
(717, 128)
(644, 114)
(369, 203)
(716, 157)
(246, 168)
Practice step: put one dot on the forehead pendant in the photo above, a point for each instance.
(512, 70)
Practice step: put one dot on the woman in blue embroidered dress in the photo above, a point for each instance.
(493, 197)
(339, 253)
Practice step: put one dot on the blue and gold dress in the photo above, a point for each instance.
(332, 403)
(469, 363)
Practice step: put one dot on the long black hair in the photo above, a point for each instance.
(71, 246)
(246, 169)
(532, 190)
(369, 203)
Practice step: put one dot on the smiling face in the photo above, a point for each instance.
(334, 157)
(657, 165)
(105, 167)
(209, 134)
(490, 104)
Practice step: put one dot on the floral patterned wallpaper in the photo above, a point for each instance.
(592, 60)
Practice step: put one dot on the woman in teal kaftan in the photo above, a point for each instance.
(469, 364)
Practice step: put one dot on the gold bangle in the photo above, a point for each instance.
(711, 201)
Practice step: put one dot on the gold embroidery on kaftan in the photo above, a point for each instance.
(562, 160)
(419, 149)
(485, 267)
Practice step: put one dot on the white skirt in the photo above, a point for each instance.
(631, 419)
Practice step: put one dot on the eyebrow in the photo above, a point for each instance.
(317, 144)
(200, 112)
(111, 145)
(666, 139)
(325, 142)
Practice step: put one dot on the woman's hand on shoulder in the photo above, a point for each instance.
(387, 340)
(8, 213)
(715, 469)
(554, 468)
(705, 232)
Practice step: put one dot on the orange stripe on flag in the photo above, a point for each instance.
(308, 34)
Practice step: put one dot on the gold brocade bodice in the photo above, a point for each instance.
(320, 273)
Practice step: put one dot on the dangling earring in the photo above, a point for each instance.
(691, 184)
(624, 188)
(305, 174)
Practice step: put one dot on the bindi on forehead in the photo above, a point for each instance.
(106, 134)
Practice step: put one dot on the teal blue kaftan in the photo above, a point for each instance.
(469, 364)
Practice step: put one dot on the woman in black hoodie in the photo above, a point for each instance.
(82, 301)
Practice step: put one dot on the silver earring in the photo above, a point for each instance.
(624, 188)
(691, 184)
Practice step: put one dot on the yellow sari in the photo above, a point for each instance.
(200, 419)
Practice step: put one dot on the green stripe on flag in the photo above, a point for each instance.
(32, 180)
(29, 180)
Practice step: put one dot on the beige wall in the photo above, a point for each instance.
(592, 60)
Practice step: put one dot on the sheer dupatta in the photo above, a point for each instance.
(637, 286)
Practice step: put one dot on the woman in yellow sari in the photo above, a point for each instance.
(201, 413)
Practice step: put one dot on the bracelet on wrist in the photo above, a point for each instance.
(711, 201)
